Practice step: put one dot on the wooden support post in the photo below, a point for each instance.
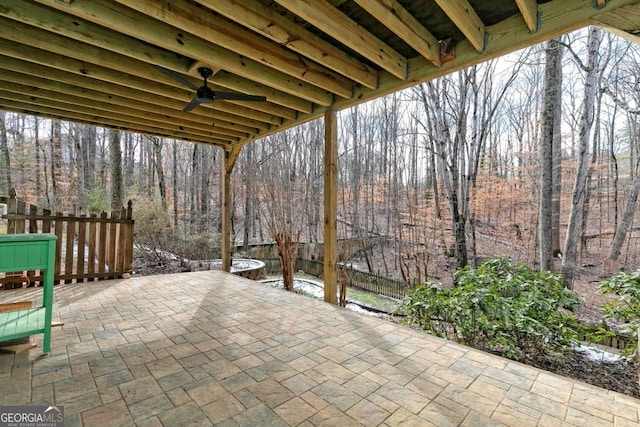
(228, 162)
(329, 272)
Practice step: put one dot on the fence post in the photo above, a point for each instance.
(58, 231)
(91, 268)
(82, 238)
(102, 248)
(128, 258)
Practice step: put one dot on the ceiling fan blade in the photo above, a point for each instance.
(233, 96)
(177, 78)
(191, 105)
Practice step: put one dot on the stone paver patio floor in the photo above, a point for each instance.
(210, 348)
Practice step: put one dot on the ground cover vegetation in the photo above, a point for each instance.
(502, 306)
(533, 156)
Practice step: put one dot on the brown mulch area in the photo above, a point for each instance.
(621, 376)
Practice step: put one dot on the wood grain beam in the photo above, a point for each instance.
(58, 22)
(321, 14)
(29, 85)
(88, 55)
(97, 120)
(73, 104)
(396, 18)
(201, 22)
(330, 231)
(63, 72)
(253, 15)
(529, 12)
(137, 25)
(466, 19)
(624, 19)
(562, 16)
(227, 190)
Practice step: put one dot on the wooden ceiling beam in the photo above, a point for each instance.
(44, 97)
(397, 19)
(88, 55)
(624, 22)
(253, 15)
(63, 69)
(152, 111)
(562, 16)
(529, 12)
(67, 114)
(324, 16)
(60, 23)
(202, 22)
(466, 19)
(137, 25)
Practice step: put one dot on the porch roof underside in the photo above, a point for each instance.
(110, 63)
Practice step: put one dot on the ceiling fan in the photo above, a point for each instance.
(205, 95)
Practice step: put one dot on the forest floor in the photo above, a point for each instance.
(618, 375)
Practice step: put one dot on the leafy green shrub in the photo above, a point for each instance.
(625, 308)
(502, 306)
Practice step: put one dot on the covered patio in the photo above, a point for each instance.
(211, 348)
(258, 67)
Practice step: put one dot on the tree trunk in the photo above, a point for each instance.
(162, 186)
(574, 227)
(36, 135)
(556, 148)
(288, 252)
(5, 159)
(174, 173)
(81, 159)
(56, 163)
(115, 159)
(248, 196)
(625, 222)
(550, 156)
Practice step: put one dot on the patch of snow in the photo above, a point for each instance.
(316, 290)
(164, 254)
(597, 354)
(237, 264)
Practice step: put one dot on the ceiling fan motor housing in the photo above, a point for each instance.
(205, 95)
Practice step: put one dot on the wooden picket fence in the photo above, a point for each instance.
(357, 279)
(93, 247)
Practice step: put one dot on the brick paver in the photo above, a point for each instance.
(210, 348)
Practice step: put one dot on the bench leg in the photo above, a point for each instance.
(46, 346)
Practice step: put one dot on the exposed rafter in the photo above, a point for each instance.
(330, 20)
(265, 22)
(397, 19)
(149, 30)
(93, 98)
(114, 62)
(466, 19)
(529, 11)
(243, 42)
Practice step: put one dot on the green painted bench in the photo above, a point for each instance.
(22, 252)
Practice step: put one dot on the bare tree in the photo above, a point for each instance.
(550, 156)
(574, 228)
(56, 163)
(6, 159)
(115, 158)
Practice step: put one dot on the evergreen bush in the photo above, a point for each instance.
(502, 306)
(625, 309)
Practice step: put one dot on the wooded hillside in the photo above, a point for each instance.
(533, 156)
